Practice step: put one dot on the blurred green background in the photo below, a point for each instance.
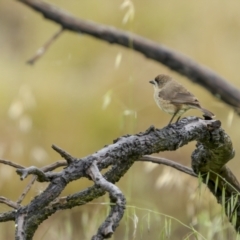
(83, 93)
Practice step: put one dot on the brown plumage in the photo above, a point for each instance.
(175, 99)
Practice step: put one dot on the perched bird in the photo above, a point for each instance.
(175, 99)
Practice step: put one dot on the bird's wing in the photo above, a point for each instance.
(184, 98)
(177, 94)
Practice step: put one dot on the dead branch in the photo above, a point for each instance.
(214, 150)
(9, 163)
(169, 163)
(41, 177)
(47, 168)
(9, 203)
(117, 201)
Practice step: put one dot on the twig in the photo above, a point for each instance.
(53, 166)
(169, 163)
(41, 177)
(26, 190)
(63, 153)
(9, 163)
(9, 203)
(45, 47)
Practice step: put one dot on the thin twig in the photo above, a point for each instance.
(53, 166)
(45, 47)
(12, 164)
(9, 202)
(26, 190)
(63, 153)
(169, 163)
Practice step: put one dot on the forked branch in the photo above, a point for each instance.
(214, 150)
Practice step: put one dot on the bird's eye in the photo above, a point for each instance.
(159, 82)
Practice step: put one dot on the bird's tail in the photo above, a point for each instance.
(207, 113)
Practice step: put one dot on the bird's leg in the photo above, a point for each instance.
(178, 119)
(173, 117)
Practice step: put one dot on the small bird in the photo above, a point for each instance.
(174, 99)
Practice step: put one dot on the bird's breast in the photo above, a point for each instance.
(168, 107)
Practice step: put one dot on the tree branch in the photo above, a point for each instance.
(178, 62)
(214, 149)
(8, 216)
(41, 176)
(118, 203)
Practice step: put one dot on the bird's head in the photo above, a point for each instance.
(160, 81)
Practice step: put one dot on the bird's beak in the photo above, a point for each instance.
(152, 82)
